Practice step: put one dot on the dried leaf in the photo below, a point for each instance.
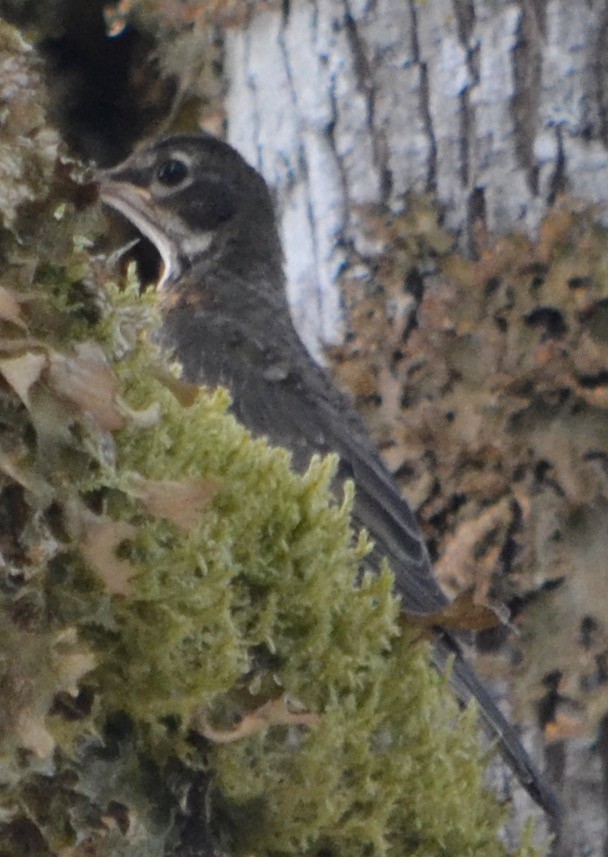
(22, 372)
(145, 418)
(180, 501)
(19, 346)
(597, 397)
(272, 713)
(90, 385)
(464, 613)
(185, 393)
(10, 307)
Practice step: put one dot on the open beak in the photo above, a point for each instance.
(136, 204)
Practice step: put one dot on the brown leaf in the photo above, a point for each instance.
(461, 614)
(89, 384)
(272, 713)
(20, 345)
(597, 397)
(180, 501)
(22, 372)
(185, 393)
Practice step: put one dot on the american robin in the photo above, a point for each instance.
(227, 321)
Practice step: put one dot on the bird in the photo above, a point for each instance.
(226, 320)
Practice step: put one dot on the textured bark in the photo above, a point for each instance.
(494, 109)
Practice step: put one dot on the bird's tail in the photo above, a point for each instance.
(468, 686)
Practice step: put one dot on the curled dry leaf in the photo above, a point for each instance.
(144, 418)
(38, 666)
(272, 713)
(180, 501)
(89, 384)
(464, 613)
(18, 345)
(597, 397)
(83, 379)
(22, 372)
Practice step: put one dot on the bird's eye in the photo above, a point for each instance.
(172, 172)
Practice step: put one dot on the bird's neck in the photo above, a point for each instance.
(214, 317)
(255, 291)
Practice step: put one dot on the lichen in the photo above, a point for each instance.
(484, 381)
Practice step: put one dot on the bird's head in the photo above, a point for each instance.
(200, 204)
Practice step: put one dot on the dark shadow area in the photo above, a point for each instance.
(105, 92)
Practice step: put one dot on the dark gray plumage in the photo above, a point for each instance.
(226, 318)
